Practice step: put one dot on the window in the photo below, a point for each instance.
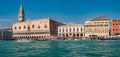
(77, 29)
(66, 35)
(19, 27)
(59, 34)
(66, 30)
(15, 28)
(116, 24)
(73, 29)
(38, 26)
(63, 30)
(24, 27)
(77, 34)
(95, 28)
(32, 26)
(63, 35)
(73, 35)
(45, 26)
(20, 16)
(81, 29)
(28, 27)
(70, 30)
(59, 30)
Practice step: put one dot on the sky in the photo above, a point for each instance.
(65, 11)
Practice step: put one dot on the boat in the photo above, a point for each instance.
(24, 40)
(111, 38)
(77, 39)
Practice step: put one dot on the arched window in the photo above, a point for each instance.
(45, 26)
(81, 34)
(63, 35)
(70, 29)
(74, 29)
(28, 27)
(15, 28)
(73, 35)
(63, 30)
(19, 27)
(77, 34)
(59, 30)
(66, 35)
(32, 26)
(66, 30)
(77, 29)
(81, 29)
(24, 27)
(38, 26)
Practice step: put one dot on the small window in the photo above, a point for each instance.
(15, 28)
(70, 29)
(63, 30)
(45, 26)
(28, 27)
(73, 29)
(113, 29)
(20, 16)
(66, 30)
(24, 27)
(38, 26)
(59, 30)
(19, 27)
(81, 29)
(32, 26)
(59, 34)
(77, 29)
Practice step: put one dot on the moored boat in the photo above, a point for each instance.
(111, 38)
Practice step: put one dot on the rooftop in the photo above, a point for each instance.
(102, 18)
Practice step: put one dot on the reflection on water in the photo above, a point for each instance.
(62, 48)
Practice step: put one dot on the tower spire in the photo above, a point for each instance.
(21, 16)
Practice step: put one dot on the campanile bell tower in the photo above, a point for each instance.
(21, 16)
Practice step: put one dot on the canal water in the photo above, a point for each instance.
(61, 48)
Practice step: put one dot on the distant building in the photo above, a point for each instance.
(115, 27)
(97, 27)
(71, 31)
(34, 29)
(6, 33)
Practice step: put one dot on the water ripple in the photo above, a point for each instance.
(66, 48)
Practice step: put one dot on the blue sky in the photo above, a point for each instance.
(75, 11)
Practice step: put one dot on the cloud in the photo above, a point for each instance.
(6, 23)
(5, 20)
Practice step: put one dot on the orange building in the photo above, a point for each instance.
(115, 27)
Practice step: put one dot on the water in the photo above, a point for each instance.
(71, 48)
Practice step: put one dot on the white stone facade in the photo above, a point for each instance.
(71, 31)
(35, 28)
(98, 27)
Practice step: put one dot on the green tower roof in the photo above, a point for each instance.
(21, 8)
